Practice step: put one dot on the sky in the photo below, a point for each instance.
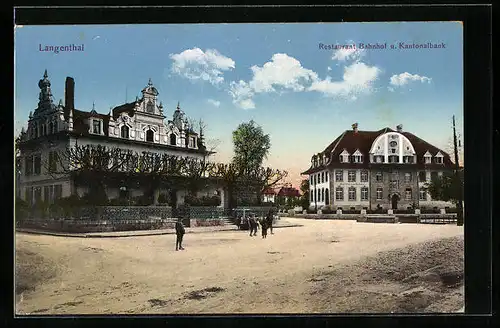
(289, 78)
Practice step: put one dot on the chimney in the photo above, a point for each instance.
(69, 100)
(355, 127)
(400, 128)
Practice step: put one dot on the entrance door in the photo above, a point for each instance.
(395, 199)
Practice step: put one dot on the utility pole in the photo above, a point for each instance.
(460, 211)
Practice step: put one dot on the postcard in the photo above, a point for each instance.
(292, 168)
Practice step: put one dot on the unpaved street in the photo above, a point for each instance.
(324, 266)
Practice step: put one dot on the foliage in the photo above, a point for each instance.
(448, 187)
(202, 201)
(304, 198)
(251, 146)
(163, 198)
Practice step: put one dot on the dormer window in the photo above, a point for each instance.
(96, 126)
(150, 135)
(427, 158)
(408, 159)
(191, 142)
(357, 157)
(393, 159)
(344, 157)
(125, 132)
(378, 159)
(439, 158)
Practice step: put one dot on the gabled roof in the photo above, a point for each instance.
(269, 191)
(289, 192)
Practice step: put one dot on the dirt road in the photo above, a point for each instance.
(324, 266)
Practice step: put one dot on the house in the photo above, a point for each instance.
(139, 126)
(376, 169)
(286, 194)
(269, 195)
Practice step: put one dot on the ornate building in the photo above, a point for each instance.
(138, 126)
(376, 169)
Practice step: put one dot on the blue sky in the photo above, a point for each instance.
(275, 74)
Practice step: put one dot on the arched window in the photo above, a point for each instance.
(125, 132)
(150, 108)
(312, 197)
(327, 197)
(173, 139)
(322, 194)
(149, 135)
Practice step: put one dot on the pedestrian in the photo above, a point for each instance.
(264, 225)
(269, 219)
(179, 231)
(252, 223)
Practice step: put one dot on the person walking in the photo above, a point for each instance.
(264, 225)
(252, 223)
(179, 231)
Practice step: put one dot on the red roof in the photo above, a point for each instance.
(289, 192)
(269, 191)
(352, 140)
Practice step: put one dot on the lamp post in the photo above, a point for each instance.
(460, 213)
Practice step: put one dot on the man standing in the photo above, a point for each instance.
(269, 220)
(179, 231)
(252, 223)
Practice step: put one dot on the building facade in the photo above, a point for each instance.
(138, 126)
(384, 169)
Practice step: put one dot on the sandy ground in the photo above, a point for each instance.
(321, 267)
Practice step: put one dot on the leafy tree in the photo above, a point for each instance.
(304, 198)
(251, 146)
(449, 187)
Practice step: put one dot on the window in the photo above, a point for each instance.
(311, 180)
(318, 195)
(339, 176)
(96, 127)
(125, 132)
(312, 196)
(379, 177)
(427, 159)
(46, 194)
(352, 193)
(38, 164)
(52, 162)
(322, 177)
(364, 176)
(434, 176)
(421, 176)
(327, 197)
(393, 151)
(351, 176)
(408, 194)
(423, 195)
(393, 159)
(358, 159)
(439, 160)
(322, 194)
(393, 143)
(326, 176)
(408, 159)
(341, 158)
(191, 142)
(28, 168)
(314, 179)
(150, 135)
(51, 127)
(150, 108)
(38, 194)
(379, 193)
(378, 159)
(339, 193)
(43, 129)
(364, 193)
(173, 139)
(407, 177)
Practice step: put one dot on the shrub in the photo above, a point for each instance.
(327, 209)
(163, 198)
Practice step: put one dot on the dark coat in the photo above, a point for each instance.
(179, 228)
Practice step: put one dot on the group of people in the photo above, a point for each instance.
(265, 224)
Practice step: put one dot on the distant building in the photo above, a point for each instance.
(138, 126)
(287, 193)
(370, 169)
(269, 195)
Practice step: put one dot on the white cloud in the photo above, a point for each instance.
(328, 68)
(285, 73)
(357, 79)
(390, 89)
(195, 64)
(345, 54)
(216, 103)
(405, 78)
(282, 71)
(242, 94)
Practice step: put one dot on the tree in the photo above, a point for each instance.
(304, 198)
(448, 187)
(251, 146)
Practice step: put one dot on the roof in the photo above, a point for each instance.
(289, 192)
(351, 141)
(269, 191)
(128, 108)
